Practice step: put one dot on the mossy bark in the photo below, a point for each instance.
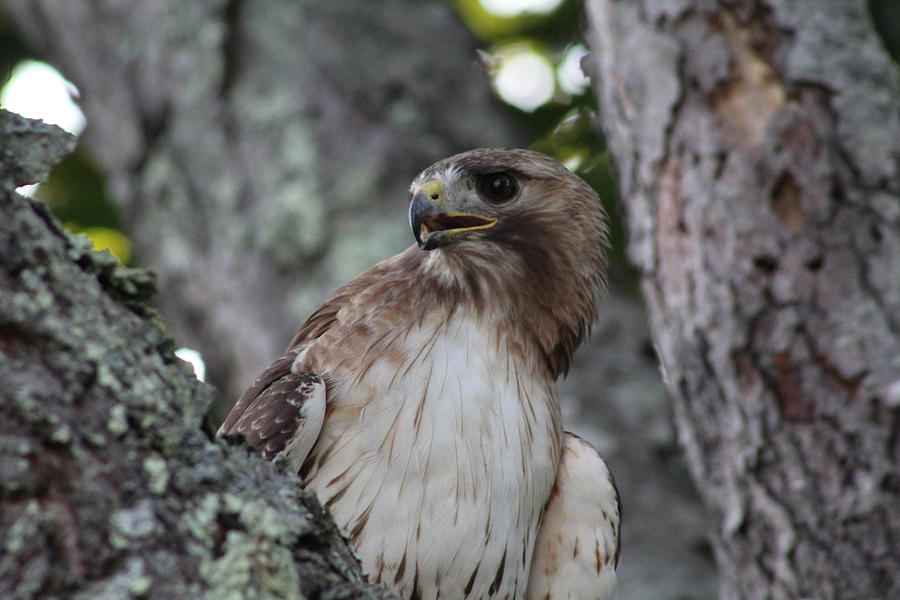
(758, 144)
(109, 488)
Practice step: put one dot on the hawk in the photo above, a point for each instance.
(419, 401)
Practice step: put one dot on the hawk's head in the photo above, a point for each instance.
(491, 193)
(526, 228)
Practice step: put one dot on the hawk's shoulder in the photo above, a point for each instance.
(282, 411)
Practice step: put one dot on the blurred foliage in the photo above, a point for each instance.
(12, 50)
(886, 18)
(76, 192)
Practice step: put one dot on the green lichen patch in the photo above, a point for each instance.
(252, 568)
(157, 472)
(110, 487)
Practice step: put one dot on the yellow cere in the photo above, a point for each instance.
(433, 189)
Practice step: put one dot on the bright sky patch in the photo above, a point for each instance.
(38, 91)
(512, 8)
(524, 78)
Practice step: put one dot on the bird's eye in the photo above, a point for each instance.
(497, 187)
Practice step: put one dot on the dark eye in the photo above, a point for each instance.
(497, 187)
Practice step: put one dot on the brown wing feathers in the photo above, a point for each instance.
(269, 413)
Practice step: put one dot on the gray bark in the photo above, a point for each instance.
(758, 146)
(108, 486)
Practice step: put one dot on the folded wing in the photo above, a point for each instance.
(282, 412)
(577, 548)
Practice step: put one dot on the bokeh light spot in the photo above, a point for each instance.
(574, 161)
(524, 78)
(512, 8)
(38, 91)
(571, 77)
(195, 359)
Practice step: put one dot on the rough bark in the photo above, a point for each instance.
(758, 146)
(108, 486)
(259, 152)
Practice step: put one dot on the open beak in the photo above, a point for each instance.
(432, 226)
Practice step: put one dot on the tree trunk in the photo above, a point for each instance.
(758, 146)
(109, 488)
(259, 152)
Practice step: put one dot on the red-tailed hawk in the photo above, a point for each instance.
(419, 401)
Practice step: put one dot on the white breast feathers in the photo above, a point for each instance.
(438, 460)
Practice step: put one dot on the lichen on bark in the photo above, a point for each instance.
(109, 488)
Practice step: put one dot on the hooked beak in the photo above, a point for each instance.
(432, 226)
